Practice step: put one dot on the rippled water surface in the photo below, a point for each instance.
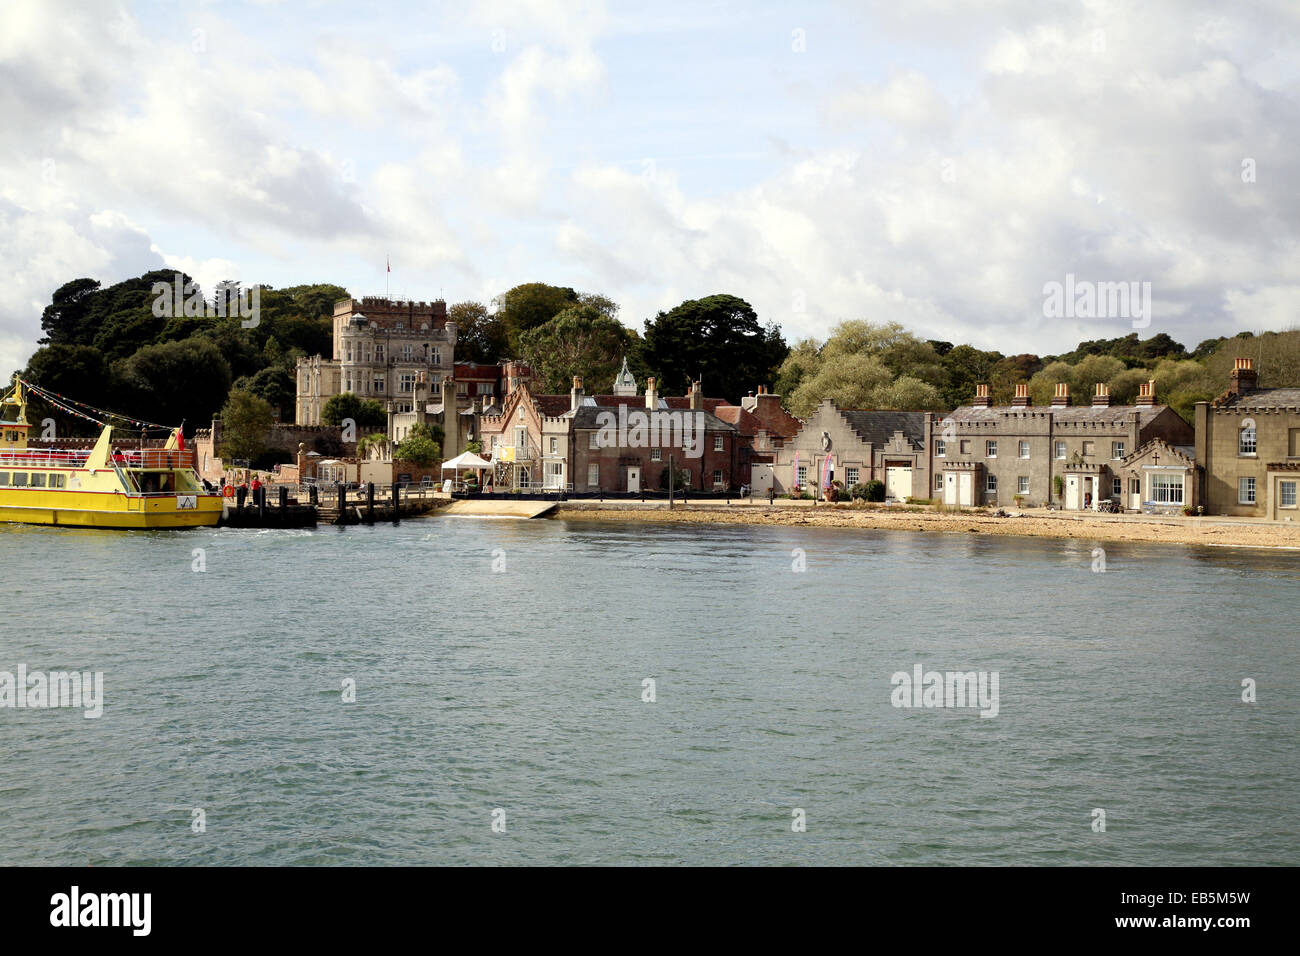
(522, 690)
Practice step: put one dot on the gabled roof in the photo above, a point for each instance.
(1186, 452)
(776, 420)
(746, 423)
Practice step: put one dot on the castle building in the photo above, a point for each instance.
(381, 348)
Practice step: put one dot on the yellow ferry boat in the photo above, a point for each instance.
(104, 487)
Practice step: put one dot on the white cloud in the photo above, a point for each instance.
(936, 168)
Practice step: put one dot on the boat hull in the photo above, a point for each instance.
(108, 510)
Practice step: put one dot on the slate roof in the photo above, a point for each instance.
(552, 406)
(587, 415)
(1261, 398)
(878, 427)
(1099, 414)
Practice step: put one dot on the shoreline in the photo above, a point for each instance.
(1205, 531)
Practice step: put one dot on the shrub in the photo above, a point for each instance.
(875, 490)
(679, 479)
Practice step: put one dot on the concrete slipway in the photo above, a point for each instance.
(480, 508)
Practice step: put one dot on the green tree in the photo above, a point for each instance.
(906, 394)
(418, 450)
(367, 413)
(245, 422)
(529, 305)
(78, 372)
(275, 384)
(480, 335)
(430, 430)
(66, 319)
(175, 381)
(966, 367)
(579, 341)
(799, 363)
(378, 442)
(849, 380)
(717, 340)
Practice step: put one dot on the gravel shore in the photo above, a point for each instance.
(1222, 532)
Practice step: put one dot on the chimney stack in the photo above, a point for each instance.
(1244, 378)
(1102, 395)
(1022, 396)
(1147, 393)
(1062, 396)
(982, 399)
(651, 394)
(697, 397)
(575, 396)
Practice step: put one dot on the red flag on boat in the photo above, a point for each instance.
(180, 439)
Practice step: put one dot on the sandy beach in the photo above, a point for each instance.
(1208, 531)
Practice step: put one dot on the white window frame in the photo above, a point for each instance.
(1117, 449)
(1247, 442)
(593, 475)
(1168, 488)
(717, 443)
(991, 448)
(1287, 488)
(1059, 451)
(1247, 486)
(990, 484)
(1024, 449)
(1022, 485)
(940, 448)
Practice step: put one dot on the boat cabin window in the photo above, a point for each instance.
(20, 479)
(38, 479)
(4, 477)
(58, 481)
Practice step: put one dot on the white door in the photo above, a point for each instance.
(898, 483)
(1072, 492)
(950, 488)
(966, 489)
(1135, 494)
(633, 478)
(761, 479)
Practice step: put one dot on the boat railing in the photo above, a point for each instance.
(44, 457)
(153, 458)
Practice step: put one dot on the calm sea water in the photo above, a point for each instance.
(522, 690)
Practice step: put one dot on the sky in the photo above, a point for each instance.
(932, 163)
